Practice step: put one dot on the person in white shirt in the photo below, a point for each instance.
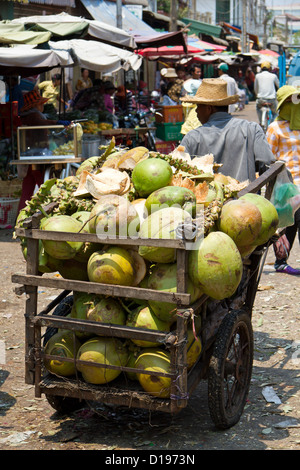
(232, 86)
(265, 87)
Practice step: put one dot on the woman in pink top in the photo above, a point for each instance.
(109, 90)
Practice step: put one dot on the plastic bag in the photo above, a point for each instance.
(286, 199)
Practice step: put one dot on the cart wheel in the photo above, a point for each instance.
(230, 368)
(64, 405)
(62, 310)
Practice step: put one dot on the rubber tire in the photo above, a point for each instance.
(236, 325)
(64, 405)
(62, 310)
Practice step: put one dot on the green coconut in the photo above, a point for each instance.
(44, 258)
(216, 267)
(162, 224)
(241, 220)
(131, 363)
(88, 247)
(81, 304)
(89, 164)
(83, 217)
(61, 223)
(155, 360)
(171, 196)
(150, 175)
(113, 266)
(101, 350)
(164, 279)
(270, 219)
(107, 310)
(133, 352)
(144, 317)
(112, 215)
(62, 344)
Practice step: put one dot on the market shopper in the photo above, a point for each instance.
(50, 89)
(265, 86)
(250, 79)
(32, 115)
(283, 136)
(232, 86)
(238, 144)
(191, 120)
(195, 71)
(109, 91)
(172, 88)
(123, 100)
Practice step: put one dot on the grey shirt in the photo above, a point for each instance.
(236, 143)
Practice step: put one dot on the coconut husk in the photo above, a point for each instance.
(139, 266)
(234, 185)
(107, 181)
(180, 154)
(204, 163)
(201, 192)
(183, 182)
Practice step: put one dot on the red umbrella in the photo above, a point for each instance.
(269, 52)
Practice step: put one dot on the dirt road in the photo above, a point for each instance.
(29, 423)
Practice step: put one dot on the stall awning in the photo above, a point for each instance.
(26, 61)
(162, 39)
(176, 51)
(24, 37)
(204, 45)
(97, 56)
(198, 27)
(68, 26)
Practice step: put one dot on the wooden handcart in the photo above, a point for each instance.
(226, 331)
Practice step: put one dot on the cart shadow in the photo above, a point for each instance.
(115, 427)
(6, 400)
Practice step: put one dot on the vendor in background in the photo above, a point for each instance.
(50, 89)
(32, 114)
(90, 98)
(190, 110)
(181, 72)
(123, 100)
(232, 86)
(250, 79)
(172, 91)
(109, 91)
(84, 81)
(195, 71)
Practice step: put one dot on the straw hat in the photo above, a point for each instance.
(31, 99)
(212, 91)
(285, 92)
(170, 73)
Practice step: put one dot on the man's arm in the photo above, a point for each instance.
(262, 151)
